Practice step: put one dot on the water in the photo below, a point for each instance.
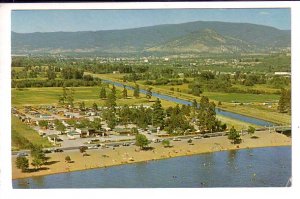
(261, 167)
(236, 116)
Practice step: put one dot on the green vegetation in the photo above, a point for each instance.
(24, 137)
(141, 141)
(234, 136)
(284, 104)
(68, 159)
(251, 130)
(166, 143)
(206, 115)
(22, 163)
(38, 157)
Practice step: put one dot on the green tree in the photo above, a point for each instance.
(125, 114)
(96, 124)
(83, 149)
(38, 156)
(111, 99)
(166, 143)
(82, 106)
(251, 130)
(207, 119)
(60, 127)
(22, 163)
(37, 163)
(43, 123)
(51, 73)
(142, 117)
(234, 136)
(141, 141)
(284, 104)
(195, 104)
(68, 159)
(95, 106)
(136, 91)
(102, 92)
(111, 118)
(124, 92)
(149, 93)
(157, 114)
(134, 131)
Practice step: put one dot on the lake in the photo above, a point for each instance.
(260, 167)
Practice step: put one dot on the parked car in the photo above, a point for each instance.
(93, 147)
(197, 137)
(58, 150)
(22, 154)
(176, 139)
(47, 151)
(126, 144)
(116, 145)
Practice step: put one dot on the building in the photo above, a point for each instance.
(84, 132)
(72, 135)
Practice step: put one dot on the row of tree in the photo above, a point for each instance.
(38, 159)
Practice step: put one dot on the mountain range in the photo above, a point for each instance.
(192, 37)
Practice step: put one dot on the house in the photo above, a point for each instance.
(53, 138)
(84, 132)
(122, 131)
(72, 135)
(45, 116)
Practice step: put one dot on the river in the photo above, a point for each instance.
(260, 167)
(243, 118)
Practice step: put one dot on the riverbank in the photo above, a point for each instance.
(250, 111)
(131, 154)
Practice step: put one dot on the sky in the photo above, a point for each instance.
(91, 20)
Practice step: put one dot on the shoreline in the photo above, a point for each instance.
(125, 155)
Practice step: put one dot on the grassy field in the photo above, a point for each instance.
(238, 125)
(46, 96)
(241, 97)
(271, 115)
(20, 131)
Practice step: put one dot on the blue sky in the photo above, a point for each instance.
(86, 20)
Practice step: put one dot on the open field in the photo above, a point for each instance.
(46, 96)
(21, 130)
(271, 116)
(132, 154)
(238, 125)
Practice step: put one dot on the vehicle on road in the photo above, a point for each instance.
(58, 151)
(47, 151)
(93, 147)
(22, 154)
(176, 139)
(197, 137)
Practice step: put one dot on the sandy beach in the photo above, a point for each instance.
(131, 154)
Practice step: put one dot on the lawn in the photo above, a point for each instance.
(238, 125)
(90, 95)
(241, 97)
(20, 131)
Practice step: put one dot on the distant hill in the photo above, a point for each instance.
(192, 37)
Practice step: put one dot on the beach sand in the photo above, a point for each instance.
(131, 154)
